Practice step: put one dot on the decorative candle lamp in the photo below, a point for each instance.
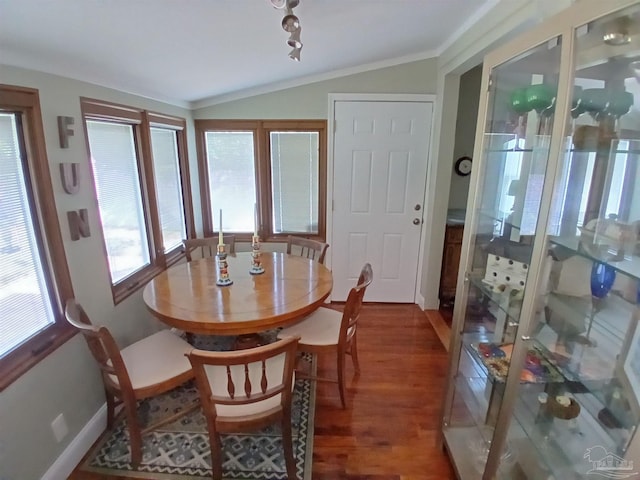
(256, 267)
(223, 267)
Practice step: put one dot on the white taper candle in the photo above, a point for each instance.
(255, 220)
(220, 241)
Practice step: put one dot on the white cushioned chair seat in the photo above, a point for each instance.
(322, 327)
(155, 359)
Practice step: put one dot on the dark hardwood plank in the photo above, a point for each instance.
(389, 429)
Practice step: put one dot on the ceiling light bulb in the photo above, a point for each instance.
(278, 3)
(295, 54)
(290, 23)
(294, 39)
(616, 38)
(616, 32)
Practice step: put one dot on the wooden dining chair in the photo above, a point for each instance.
(207, 247)
(146, 368)
(306, 247)
(328, 331)
(246, 390)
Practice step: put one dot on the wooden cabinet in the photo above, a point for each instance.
(450, 262)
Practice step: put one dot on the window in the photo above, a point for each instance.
(277, 165)
(140, 173)
(166, 166)
(34, 278)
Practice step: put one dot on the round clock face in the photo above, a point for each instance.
(463, 166)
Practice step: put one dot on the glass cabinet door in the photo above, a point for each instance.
(586, 318)
(506, 205)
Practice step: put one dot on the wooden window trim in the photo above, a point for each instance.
(142, 121)
(261, 130)
(203, 126)
(13, 365)
(101, 110)
(319, 126)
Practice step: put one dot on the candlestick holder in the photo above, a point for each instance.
(256, 267)
(223, 267)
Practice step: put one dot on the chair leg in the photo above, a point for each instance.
(111, 408)
(287, 445)
(354, 352)
(341, 362)
(135, 435)
(216, 456)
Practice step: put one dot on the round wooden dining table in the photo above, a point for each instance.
(186, 296)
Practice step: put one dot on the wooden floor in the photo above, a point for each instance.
(388, 430)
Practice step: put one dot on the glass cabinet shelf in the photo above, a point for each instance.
(504, 304)
(628, 265)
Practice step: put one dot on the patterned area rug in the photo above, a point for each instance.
(180, 450)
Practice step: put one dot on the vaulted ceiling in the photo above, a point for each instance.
(183, 51)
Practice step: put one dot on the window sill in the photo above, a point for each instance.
(17, 363)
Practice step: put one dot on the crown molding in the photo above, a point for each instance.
(309, 79)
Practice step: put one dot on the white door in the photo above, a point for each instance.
(379, 175)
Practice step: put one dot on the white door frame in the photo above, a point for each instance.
(377, 97)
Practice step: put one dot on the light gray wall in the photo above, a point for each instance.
(468, 99)
(68, 381)
(311, 101)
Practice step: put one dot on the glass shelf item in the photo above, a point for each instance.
(544, 379)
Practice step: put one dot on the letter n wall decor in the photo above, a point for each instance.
(78, 220)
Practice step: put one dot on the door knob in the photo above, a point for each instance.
(416, 221)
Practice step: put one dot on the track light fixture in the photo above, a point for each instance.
(290, 24)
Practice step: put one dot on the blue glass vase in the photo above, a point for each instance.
(602, 278)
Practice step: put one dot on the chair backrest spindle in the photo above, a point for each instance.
(307, 248)
(207, 247)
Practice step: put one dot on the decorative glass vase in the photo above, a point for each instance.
(602, 278)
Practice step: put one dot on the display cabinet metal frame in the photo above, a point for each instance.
(518, 322)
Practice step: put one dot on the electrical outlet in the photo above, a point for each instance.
(59, 428)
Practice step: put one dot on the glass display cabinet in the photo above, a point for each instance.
(544, 379)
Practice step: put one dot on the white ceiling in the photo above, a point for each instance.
(208, 51)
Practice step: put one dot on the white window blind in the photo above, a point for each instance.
(232, 180)
(168, 187)
(25, 305)
(294, 181)
(115, 170)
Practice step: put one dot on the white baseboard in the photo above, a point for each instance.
(79, 446)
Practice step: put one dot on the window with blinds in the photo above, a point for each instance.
(166, 169)
(140, 173)
(25, 306)
(115, 173)
(280, 165)
(34, 276)
(294, 182)
(232, 179)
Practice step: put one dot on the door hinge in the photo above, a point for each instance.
(490, 83)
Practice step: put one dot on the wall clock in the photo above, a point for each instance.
(463, 166)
